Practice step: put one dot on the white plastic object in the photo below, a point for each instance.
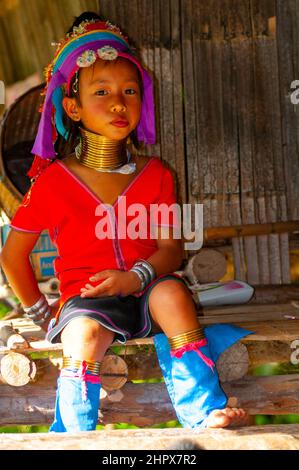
(51, 286)
(222, 293)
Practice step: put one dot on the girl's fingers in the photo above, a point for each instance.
(96, 291)
(100, 275)
(88, 293)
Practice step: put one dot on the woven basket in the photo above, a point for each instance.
(17, 133)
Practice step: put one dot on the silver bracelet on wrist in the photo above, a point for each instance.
(141, 276)
(145, 272)
(44, 317)
(35, 307)
(38, 312)
(145, 264)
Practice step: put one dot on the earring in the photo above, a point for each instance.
(76, 84)
(75, 116)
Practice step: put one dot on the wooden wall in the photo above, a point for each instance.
(27, 29)
(225, 122)
(226, 125)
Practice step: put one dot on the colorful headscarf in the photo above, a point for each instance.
(80, 48)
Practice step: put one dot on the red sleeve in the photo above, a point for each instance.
(33, 213)
(167, 214)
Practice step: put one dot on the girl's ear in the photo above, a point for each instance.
(71, 108)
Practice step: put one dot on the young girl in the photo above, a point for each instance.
(112, 288)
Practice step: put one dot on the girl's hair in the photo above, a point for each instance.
(65, 147)
(86, 16)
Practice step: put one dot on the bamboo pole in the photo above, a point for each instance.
(215, 233)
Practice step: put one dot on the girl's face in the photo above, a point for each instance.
(110, 99)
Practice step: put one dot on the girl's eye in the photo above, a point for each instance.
(101, 92)
(131, 91)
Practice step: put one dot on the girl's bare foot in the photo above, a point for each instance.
(227, 417)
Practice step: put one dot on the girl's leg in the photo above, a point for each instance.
(77, 401)
(86, 339)
(173, 310)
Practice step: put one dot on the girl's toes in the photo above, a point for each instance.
(218, 419)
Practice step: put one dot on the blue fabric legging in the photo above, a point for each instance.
(75, 412)
(192, 385)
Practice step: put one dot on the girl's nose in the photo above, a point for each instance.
(118, 107)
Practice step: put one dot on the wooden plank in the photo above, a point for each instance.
(146, 404)
(270, 294)
(256, 318)
(266, 352)
(271, 437)
(143, 364)
(272, 330)
(284, 330)
(250, 310)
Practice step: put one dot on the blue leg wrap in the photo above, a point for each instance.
(77, 404)
(193, 387)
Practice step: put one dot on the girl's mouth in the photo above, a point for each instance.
(120, 123)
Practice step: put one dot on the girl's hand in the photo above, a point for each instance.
(114, 283)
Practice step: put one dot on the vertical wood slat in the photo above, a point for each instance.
(269, 149)
(6, 66)
(193, 174)
(262, 241)
(288, 53)
(261, 151)
(284, 246)
(268, 110)
(238, 259)
(242, 57)
(177, 91)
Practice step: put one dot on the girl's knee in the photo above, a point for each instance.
(85, 330)
(84, 338)
(167, 292)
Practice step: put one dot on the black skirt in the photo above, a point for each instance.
(128, 316)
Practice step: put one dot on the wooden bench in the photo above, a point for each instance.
(145, 404)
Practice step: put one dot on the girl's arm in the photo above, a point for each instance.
(169, 256)
(15, 262)
(166, 259)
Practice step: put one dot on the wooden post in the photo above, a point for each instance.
(12, 339)
(17, 370)
(114, 372)
(206, 266)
